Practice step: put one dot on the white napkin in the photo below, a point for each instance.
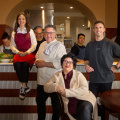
(50, 47)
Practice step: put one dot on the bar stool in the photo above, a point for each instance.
(111, 102)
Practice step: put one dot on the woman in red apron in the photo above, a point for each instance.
(23, 44)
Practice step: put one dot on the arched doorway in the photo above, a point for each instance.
(77, 4)
(28, 4)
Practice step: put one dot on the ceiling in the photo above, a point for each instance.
(60, 11)
(58, 7)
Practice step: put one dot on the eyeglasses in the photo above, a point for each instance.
(50, 33)
(68, 62)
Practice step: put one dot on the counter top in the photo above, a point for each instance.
(6, 64)
(8, 67)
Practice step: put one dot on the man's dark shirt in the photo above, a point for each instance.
(78, 51)
(38, 45)
(100, 55)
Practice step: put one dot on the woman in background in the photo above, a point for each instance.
(23, 43)
(5, 47)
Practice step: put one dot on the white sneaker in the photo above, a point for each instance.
(23, 92)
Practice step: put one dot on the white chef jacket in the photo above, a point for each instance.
(49, 52)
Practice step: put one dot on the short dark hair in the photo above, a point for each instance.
(81, 34)
(50, 26)
(69, 55)
(99, 22)
(37, 27)
(5, 35)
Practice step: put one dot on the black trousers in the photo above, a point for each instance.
(41, 103)
(100, 88)
(84, 110)
(22, 71)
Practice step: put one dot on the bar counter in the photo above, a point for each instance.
(11, 108)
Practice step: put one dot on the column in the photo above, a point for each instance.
(117, 40)
(43, 19)
(67, 28)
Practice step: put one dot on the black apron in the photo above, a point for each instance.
(7, 51)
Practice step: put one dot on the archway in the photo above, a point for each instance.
(77, 4)
(28, 4)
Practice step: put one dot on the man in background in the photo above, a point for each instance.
(79, 49)
(39, 37)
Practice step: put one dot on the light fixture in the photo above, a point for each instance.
(41, 7)
(83, 25)
(68, 17)
(71, 7)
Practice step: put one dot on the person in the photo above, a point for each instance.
(79, 49)
(99, 57)
(5, 47)
(48, 62)
(79, 102)
(39, 36)
(23, 43)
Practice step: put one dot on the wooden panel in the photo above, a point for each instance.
(15, 93)
(10, 76)
(111, 32)
(117, 76)
(21, 109)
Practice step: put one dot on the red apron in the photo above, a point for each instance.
(23, 43)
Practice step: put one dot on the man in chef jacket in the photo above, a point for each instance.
(48, 62)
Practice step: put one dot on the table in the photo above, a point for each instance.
(111, 101)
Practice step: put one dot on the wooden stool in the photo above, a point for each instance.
(111, 101)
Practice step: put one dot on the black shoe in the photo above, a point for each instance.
(23, 92)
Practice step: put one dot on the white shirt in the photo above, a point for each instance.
(33, 40)
(57, 50)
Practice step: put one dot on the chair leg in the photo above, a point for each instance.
(119, 117)
(106, 115)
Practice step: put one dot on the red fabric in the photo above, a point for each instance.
(67, 81)
(22, 41)
(30, 59)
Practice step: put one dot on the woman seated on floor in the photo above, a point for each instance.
(79, 102)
